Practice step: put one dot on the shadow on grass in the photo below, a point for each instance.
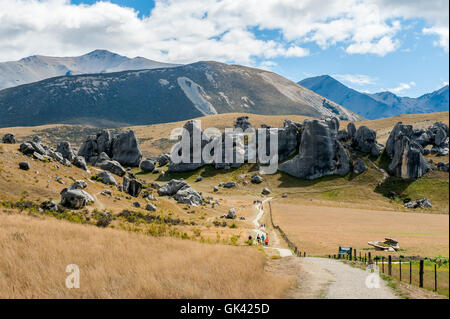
(394, 187)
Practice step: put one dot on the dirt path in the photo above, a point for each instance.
(346, 282)
(274, 240)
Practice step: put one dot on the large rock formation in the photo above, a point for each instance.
(365, 140)
(243, 123)
(75, 198)
(193, 129)
(181, 192)
(65, 149)
(406, 154)
(123, 148)
(320, 153)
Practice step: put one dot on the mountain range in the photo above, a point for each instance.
(38, 67)
(377, 105)
(161, 95)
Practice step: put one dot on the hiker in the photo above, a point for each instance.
(250, 238)
(258, 239)
(267, 241)
(262, 238)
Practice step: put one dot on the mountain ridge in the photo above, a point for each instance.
(39, 67)
(377, 105)
(161, 95)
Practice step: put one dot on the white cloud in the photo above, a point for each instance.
(442, 32)
(191, 30)
(358, 79)
(402, 87)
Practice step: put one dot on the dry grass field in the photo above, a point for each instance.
(117, 264)
(320, 230)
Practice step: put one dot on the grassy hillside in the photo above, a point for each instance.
(119, 264)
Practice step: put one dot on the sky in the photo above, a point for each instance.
(369, 45)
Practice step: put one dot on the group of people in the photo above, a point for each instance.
(263, 239)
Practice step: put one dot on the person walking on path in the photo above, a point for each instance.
(258, 239)
(262, 239)
(267, 241)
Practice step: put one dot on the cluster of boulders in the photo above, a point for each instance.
(63, 154)
(9, 138)
(181, 192)
(110, 152)
(421, 203)
(323, 149)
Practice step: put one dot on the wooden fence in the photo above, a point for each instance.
(406, 269)
(291, 244)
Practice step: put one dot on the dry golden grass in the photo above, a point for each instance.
(320, 230)
(119, 264)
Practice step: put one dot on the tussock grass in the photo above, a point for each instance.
(119, 264)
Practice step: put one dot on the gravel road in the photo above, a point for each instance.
(347, 282)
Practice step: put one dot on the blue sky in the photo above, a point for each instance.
(369, 45)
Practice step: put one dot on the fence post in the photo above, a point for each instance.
(435, 277)
(304, 254)
(389, 265)
(410, 272)
(400, 264)
(359, 256)
(382, 263)
(421, 274)
(370, 258)
(354, 254)
(365, 257)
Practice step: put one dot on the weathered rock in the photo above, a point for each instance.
(163, 159)
(112, 166)
(397, 132)
(125, 149)
(56, 156)
(443, 166)
(172, 187)
(406, 154)
(38, 156)
(342, 135)
(150, 207)
(199, 179)
(231, 214)
(147, 166)
(192, 129)
(65, 149)
(26, 148)
(351, 130)
(106, 192)
(24, 166)
(284, 195)
(181, 192)
(137, 205)
(80, 162)
(265, 191)
(107, 178)
(288, 139)
(9, 138)
(243, 123)
(216, 189)
(230, 184)
(365, 140)
(49, 205)
(134, 187)
(359, 166)
(187, 195)
(80, 184)
(75, 198)
(256, 179)
(320, 153)
(419, 204)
